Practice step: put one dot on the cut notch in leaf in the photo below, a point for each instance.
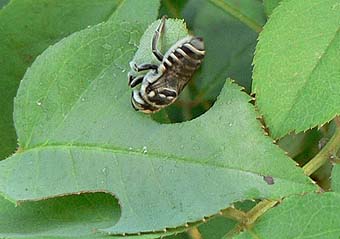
(68, 216)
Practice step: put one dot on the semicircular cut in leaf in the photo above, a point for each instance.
(79, 133)
(27, 29)
(297, 66)
(307, 216)
(68, 216)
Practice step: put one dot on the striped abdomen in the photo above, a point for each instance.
(183, 59)
(177, 68)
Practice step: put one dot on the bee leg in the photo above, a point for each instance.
(155, 40)
(134, 80)
(170, 94)
(144, 67)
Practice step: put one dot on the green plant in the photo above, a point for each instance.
(89, 166)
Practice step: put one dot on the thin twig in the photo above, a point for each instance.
(326, 153)
(250, 217)
(259, 210)
(194, 233)
(235, 214)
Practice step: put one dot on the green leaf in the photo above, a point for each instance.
(72, 216)
(297, 67)
(79, 133)
(217, 227)
(229, 43)
(307, 216)
(27, 29)
(270, 5)
(336, 178)
(249, 12)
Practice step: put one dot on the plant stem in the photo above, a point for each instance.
(237, 14)
(330, 150)
(258, 210)
(234, 214)
(246, 220)
(194, 233)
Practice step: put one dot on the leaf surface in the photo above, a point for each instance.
(79, 133)
(297, 71)
(27, 29)
(67, 217)
(336, 178)
(308, 216)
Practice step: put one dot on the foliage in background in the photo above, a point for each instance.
(88, 165)
(270, 5)
(3, 3)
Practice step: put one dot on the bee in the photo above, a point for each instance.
(162, 84)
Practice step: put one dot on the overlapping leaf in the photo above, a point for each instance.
(297, 66)
(308, 216)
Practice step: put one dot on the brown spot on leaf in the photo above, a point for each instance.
(269, 180)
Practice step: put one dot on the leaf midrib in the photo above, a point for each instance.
(156, 156)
